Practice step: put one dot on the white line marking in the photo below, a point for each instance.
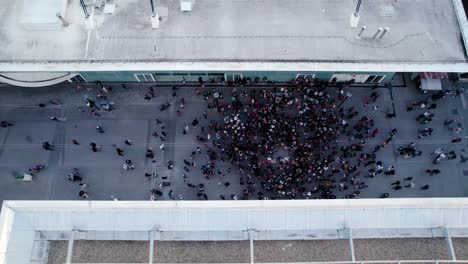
(91, 26)
(87, 44)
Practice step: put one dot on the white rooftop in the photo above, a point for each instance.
(23, 223)
(42, 15)
(239, 31)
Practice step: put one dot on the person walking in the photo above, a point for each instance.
(5, 124)
(47, 146)
(149, 153)
(57, 119)
(390, 170)
(120, 152)
(432, 106)
(93, 147)
(83, 194)
(100, 130)
(200, 81)
(128, 165)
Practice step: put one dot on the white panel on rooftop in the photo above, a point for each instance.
(257, 219)
(355, 217)
(198, 220)
(410, 218)
(316, 219)
(61, 220)
(123, 221)
(20, 243)
(140, 221)
(334, 219)
(218, 235)
(296, 219)
(106, 220)
(85, 221)
(429, 220)
(43, 221)
(160, 218)
(180, 219)
(451, 217)
(238, 220)
(374, 216)
(220, 216)
(42, 13)
(23, 220)
(391, 217)
(276, 219)
(464, 216)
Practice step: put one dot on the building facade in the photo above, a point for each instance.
(230, 76)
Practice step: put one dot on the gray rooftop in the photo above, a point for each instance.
(423, 31)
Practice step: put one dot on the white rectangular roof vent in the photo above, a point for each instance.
(186, 5)
(109, 8)
(42, 15)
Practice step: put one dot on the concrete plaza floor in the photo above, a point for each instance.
(133, 118)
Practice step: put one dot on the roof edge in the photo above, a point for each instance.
(264, 204)
(232, 66)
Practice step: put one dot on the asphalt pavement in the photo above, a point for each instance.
(134, 119)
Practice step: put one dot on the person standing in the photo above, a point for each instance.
(128, 165)
(200, 81)
(93, 147)
(83, 194)
(120, 152)
(390, 170)
(47, 146)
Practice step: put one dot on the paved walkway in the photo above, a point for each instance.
(133, 118)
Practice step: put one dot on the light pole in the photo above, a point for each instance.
(354, 20)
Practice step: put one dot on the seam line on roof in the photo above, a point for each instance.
(269, 37)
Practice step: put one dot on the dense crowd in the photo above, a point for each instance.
(291, 141)
(302, 142)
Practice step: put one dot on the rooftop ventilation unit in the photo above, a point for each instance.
(186, 5)
(42, 15)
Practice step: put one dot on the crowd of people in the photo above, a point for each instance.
(300, 141)
(292, 142)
